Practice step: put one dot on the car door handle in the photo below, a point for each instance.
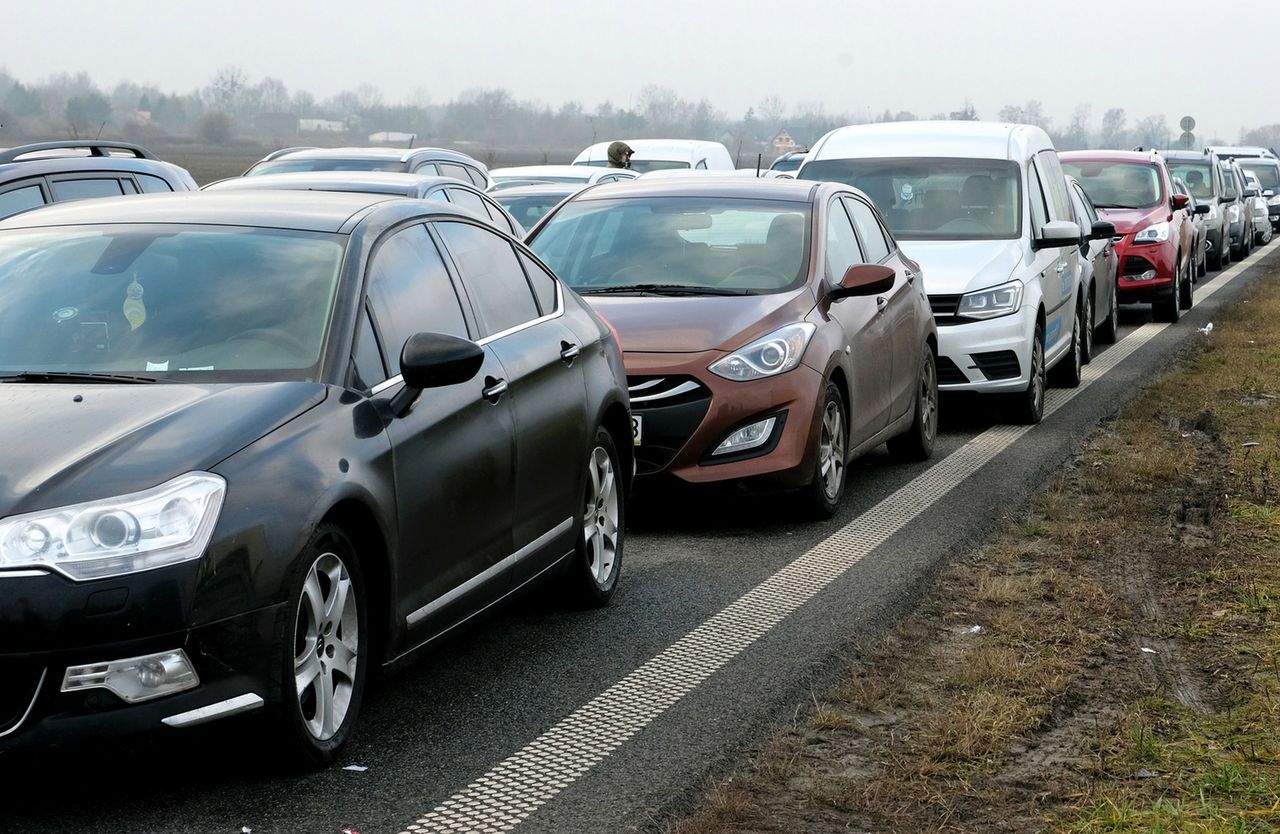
(911, 277)
(1062, 267)
(493, 389)
(881, 303)
(569, 352)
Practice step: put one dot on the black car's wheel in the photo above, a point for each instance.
(324, 650)
(1201, 268)
(592, 574)
(916, 443)
(1086, 329)
(823, 493)
(1027, 407)
(1067, 372)
(1110, 327)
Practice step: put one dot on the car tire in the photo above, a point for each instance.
(1187, 291)
(591, 576)
(821, 497)
(1068, 371)
(1086, 331)
(326, 641)
(916, 443)
(1109, 330)
(1201, 267)
(1028, 406)
(1167, 307)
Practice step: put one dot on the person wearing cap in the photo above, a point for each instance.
(620, 155)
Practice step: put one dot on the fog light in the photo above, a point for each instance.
(135, 679)
(747, 437)
(1146, 276)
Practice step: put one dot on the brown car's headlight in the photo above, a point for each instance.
(770, 355)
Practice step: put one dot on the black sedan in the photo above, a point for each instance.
(258, 443)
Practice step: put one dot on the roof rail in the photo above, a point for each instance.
(283, 151)
(96, 147)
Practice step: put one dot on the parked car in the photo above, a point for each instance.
(1196, 212)
(1133, 190)
(47, 172)
(580, 174)
(984, 208)
(528, 204)
(1268, 173)
(789, 162)
(428, 161)
(1202, 172)
(417, 186)
(655, 154)
(1243, 152)
(1261, 222)
(771, 329)
(1098, 272)
(1240, 210)
(249, 500)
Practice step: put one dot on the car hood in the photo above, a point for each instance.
(1128, 221)
(960, 266)
(690, 324)
(123, 438)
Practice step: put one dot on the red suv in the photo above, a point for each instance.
(1154, 235)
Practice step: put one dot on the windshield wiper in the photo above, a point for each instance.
(1111, 205)
(660, 289)
(73, 376)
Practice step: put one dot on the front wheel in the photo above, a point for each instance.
(1169, 307)
(1186, 296)
(592, 575)
(916, 443)
(1068, 371)
(822, 494)
(1086, 332)
(1110, 327)
(1028, 406)
(324, 650)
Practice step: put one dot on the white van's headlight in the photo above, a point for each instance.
(991, 303)
(1155, 233)
(770, 355)
(161, 526)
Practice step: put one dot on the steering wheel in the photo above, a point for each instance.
(279, 338)
(751, 271)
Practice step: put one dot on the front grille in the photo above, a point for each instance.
(944, 307)
(672, 408)
(1136, 265)
(19, 680)
(1000, 364)
(948, 373)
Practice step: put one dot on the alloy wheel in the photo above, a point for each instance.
(326, 646)
(601, 518)
(831, 450)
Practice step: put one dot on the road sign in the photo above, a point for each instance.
(1188, 139)
(1188, 124)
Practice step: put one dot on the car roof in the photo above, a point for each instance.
(1144, 157)
(390, 154)
(369, 182)
(960, 139)
(1188, 156)
(302, 210)
(90, 156)
(709, 186)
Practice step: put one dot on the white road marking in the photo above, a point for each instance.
(508, 794)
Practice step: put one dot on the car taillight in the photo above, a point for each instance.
(616, 338)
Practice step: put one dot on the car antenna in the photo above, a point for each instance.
(759, 161)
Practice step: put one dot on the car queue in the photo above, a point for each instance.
(306, 435)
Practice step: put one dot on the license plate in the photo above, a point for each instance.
(637, 429)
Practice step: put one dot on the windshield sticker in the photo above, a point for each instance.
(907, 193)
(133, 308)
(158, 366)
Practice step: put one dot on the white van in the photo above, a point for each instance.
(663, 154)
(984, 209)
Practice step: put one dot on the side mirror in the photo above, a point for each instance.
(434, 360)
(1226, 200)
(1180, 201)
(1056, 234)
(1268, 193)
(1251, 192)
(1202, 208)
(864, 279)
(1102, 229)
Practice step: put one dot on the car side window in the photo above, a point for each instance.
(875, 247)
(20, 199)
(1228, 184)
(701, 166)
(843, 250)
(501, 219)
(85, 189)
(477, 178)
(468, 200)
(544, 286)
(440, 195)
(152, 185)
(1055, 185)
(454, 170)
(492, 275)
(1035, 195)
(410, 291)
(1091, 213)
(367, 355)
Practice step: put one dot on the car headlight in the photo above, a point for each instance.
(1274, 201)
(1233, 213)
(991, 303)
(1213, 212)
(160, 526)
(770, 355)
(1155, 233)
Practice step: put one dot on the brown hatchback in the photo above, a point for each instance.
(771, 329)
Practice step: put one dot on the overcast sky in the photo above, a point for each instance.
(1174, 57)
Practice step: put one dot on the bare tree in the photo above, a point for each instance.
(1114, 132)
(1152, 132)
(772, 111)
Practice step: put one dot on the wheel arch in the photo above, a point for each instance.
(616, 421)
(360, 526)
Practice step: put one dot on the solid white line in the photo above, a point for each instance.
(508, 794)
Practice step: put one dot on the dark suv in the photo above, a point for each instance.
(1203, 175)
(433, 161)
(50, 172)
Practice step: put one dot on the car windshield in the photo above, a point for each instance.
(1197, 177)
(791, 162)
(934, 198)
(1126, 185)
(528, 210)
(1268, 173)
(286, 166)
(712, 246)
(171, 302)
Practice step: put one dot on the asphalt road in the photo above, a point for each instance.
(612, 720)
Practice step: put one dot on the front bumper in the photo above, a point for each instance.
(989, 356)
(1145, 270)
(687, 411)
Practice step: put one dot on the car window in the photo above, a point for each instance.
(367, 355)
(492, 275)
(1055, 185)
(439, 194)
(843, 250)
(1035, 194)
(152, 185)
(427, 168)
(468, 200)
(1229, 183)
(544, 286)
(451, 169)
(410, 291)
(1196, 175)
(20, 199)
(1091, 213)
(702, 165)
(500, 218)
(85, 189)
(477, 178)
(874, 245)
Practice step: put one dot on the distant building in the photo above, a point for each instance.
(321, 126)
(783, 143)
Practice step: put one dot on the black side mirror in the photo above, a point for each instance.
(1202, 208)
(1102, 229)
(1250, 192)
(434, 360)
(864, 279)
